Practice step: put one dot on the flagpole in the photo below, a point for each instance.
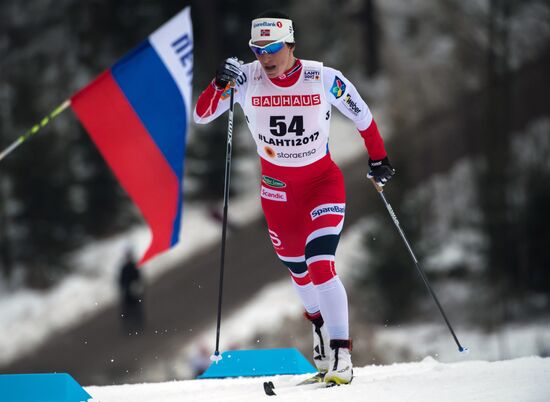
(36, 128)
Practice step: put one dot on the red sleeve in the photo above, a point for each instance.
(208, 100)
(374, 142)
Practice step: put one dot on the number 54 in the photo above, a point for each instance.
(279, 128)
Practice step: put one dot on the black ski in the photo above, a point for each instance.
(317, 379)
(268, 388)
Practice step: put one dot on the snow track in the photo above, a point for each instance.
(518, 380)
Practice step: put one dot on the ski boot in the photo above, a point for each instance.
(321, 340)
(340, 369)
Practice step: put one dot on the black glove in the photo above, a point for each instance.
(381, 170)
(227, 72)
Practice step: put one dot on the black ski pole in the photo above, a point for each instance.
(380, 191)
(216, 356)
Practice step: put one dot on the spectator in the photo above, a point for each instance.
(131, 295)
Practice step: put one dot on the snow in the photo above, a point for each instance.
(36, 315)
(397, 342)
(279, 298)
(524, 379)
(416, 341)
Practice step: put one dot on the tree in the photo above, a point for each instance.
(58, 191)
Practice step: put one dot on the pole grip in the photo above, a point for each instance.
(376, 185)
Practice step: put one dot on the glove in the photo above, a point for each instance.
(227, 72)
(381, 170)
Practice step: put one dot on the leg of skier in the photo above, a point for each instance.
(305, 213)
(287, 231)
(290, 250)
(326, 221)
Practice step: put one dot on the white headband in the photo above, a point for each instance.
(272, 29)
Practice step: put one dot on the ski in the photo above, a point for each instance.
(314, 382)
(317, 378)
(269, 387)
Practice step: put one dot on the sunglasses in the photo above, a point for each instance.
(270, 48)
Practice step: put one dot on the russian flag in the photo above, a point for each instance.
(137, 114)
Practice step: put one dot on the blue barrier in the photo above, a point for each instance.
(50, 387)
(262, 362)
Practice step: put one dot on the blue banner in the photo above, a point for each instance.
(260, 362)
(58, 387)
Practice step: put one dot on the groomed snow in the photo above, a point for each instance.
(518, 380)
(36, 315)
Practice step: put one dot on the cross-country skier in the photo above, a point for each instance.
(287, 105)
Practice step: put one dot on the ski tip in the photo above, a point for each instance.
(268, 388)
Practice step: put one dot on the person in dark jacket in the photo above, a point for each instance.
(131, 295)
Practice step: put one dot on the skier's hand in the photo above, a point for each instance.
(228, 71)
(381, 170)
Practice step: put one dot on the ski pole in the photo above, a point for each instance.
(216, 356)
(380, 191)
(36, 128)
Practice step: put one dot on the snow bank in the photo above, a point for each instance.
(36, 315)
(524, 380)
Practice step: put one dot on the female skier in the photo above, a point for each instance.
(287, 105)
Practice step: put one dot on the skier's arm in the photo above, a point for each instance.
(341, 93)
(208, 105)
(214, 100)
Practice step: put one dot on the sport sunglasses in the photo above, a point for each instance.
(270, 48)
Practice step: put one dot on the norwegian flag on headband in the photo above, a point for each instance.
(265, 32)
(137, 113)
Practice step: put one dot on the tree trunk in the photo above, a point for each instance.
(493, 183)
(369, 22)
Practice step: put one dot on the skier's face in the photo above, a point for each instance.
(276, 64)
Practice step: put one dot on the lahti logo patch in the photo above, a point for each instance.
(270, 181)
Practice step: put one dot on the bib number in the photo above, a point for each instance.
(279, 127)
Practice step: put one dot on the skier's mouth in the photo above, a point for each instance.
(270, 68)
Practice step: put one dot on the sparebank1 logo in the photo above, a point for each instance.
(267, 24)
(338, 87)
(328, 209)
